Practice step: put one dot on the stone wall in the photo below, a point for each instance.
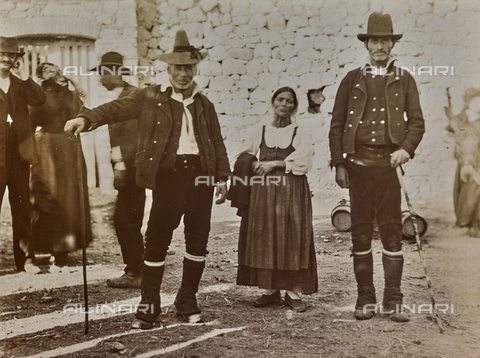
(255, 46)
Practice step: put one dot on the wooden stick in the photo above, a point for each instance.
(419, 245)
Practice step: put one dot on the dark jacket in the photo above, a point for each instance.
(22, 94)
(401, 98)
(239, 194)
(125, 135)
(150, 106)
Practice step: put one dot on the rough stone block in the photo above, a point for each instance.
(328, 78)
(210, 68)
(260, 108)
(208, 5)
(247, 82)
(299, 66)
(289, 81)
(221, 83)
(346, 56)
(225, 6)
(287, 52)
(22, 6)
(236, 106)
(214, 18)
(146, 12)
(7, 6)
(241, 53)
(231, 66)
(195, 14)
(277, 66)
(268, 81)
(241, 93)
(262, 50)
(244, 31)
(275, 39)
(218, 53)
(276, 21)
(240, 8)
(308, 31)
(258, 21)
(184, 4)
(254, 67)
(303, 43)
(211, 39)
(296, 22)
(261, 7)
(419, 7)
(240, 20)
(442, 7)
(259, 95)
(226, 19)
(310, 81)
(143, 34)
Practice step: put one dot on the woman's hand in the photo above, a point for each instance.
(263, 168)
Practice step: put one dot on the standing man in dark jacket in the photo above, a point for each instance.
(129, 209)
(179, 140)
(17, 90)
(377, 123)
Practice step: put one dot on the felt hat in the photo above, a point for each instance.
(183, 53)
(114, 62)
(9, 44)
(379, 25)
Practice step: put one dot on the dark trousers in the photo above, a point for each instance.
(375, 193)
(128, 221)
(176, 195)
(16, 175)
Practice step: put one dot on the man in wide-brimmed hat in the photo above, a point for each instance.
(179, 140)
(17, 90)
(130, 204)
(370, 137)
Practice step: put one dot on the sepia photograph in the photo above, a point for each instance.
(239, 178)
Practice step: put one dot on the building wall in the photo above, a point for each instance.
(113, 26)
(255, 46)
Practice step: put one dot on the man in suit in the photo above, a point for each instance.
(179, 140)
(130, 203)
(377, 123)
(17, 91)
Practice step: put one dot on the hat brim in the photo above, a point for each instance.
(112, 67)
(364, 37)
(182, 58)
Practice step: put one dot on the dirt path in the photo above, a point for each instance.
(233, 328)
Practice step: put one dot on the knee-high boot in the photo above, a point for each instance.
(392, 295)
(186, 301)
(363, 269)
(149, 308)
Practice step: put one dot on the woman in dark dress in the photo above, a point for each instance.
(60, 207)
(276, 249)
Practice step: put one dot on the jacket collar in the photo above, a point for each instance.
(165, 84)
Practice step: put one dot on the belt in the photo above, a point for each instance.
(371, 157)
(187, 161)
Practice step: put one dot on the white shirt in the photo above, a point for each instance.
(116, 153)
(5, 84)
(187, 143)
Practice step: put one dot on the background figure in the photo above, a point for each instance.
(466, 189)
(130, 203)
(17, 90)
(276, 249)
(55, 188)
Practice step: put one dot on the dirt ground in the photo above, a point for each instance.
(33, 322)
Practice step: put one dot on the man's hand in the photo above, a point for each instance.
(341, 176)
(399, 157)
(74, 127)
(221, 192)
(19, 69)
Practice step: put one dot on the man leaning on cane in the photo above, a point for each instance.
(179, 139)
(369, 126)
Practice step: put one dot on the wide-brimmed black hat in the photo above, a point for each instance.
(183, 53)
(379, 25)
(113, 61)
(9, 44)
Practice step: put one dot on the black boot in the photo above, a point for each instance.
(392, 296)
(363, 269)
(186, 301)
(149, 308)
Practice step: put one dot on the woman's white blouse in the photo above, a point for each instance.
(298, 162)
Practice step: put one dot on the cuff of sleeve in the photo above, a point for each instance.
(409, 150)
(288, 166)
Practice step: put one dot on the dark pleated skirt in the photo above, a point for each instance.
(60, 206)
(276, 247)
(466, 198)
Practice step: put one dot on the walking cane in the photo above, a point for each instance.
(81, 193)
(419, 245)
